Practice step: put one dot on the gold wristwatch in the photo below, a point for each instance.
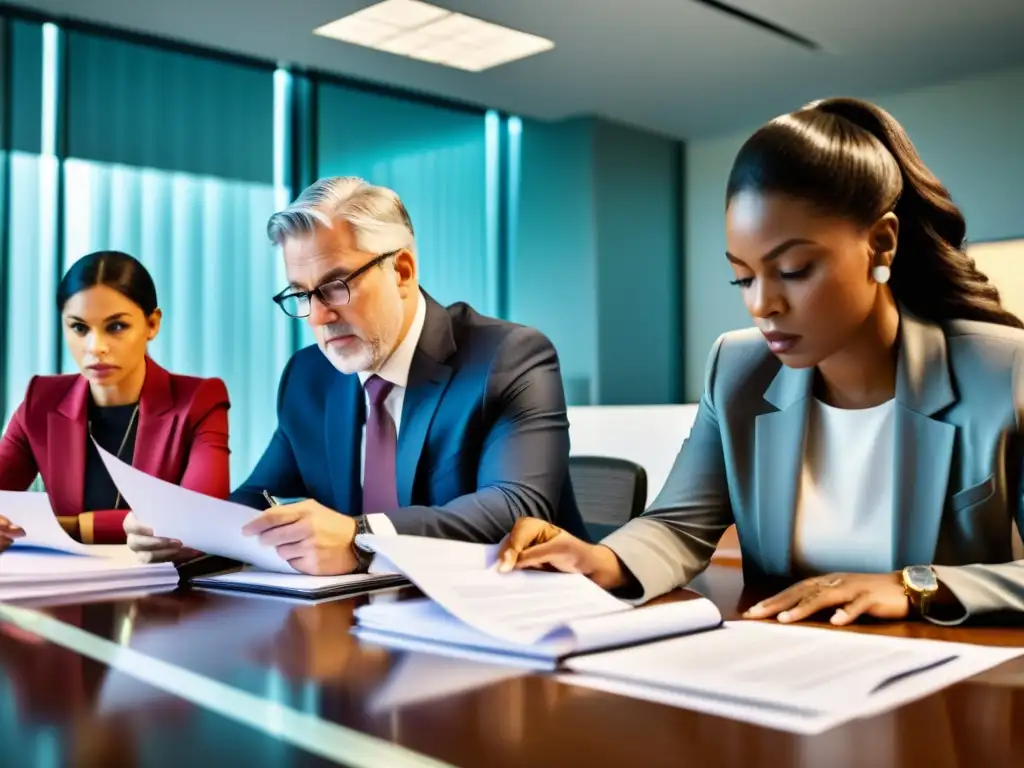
(920, 585)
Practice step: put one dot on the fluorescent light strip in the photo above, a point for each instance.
(282, 137)
(426, 32)
(48, 119)
(492, 197)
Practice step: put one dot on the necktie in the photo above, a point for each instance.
(380, 488)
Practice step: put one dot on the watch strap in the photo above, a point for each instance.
(920, 600)
(363, 556)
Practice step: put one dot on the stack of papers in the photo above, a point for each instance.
(794, 678)
(27, 575)
(46, 562)
(527, 617)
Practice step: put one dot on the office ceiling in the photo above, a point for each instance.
(686, 68)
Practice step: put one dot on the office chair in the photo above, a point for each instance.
(609, 492)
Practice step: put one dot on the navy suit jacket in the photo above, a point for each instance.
(484, 437)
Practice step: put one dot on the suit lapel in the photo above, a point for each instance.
(923, 445)
(428, 379)
(65, 447)
(154, 437)
(343, 427)
(779, 453)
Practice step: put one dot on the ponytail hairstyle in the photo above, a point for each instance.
(852, 159)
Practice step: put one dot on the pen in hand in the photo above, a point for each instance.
(254, 527)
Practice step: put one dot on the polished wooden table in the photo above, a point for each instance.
(59, 708)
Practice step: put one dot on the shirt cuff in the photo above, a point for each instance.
(381, 525)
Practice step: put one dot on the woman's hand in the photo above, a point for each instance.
(880, 595)
(8, 533)
(149, 548)
(534, 543)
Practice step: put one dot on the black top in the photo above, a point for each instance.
(108, 426)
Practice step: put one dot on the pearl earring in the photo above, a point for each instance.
(881, 274)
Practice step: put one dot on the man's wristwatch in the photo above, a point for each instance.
(363, 556)
(920, 585)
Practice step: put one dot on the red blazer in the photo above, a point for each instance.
(182, 438)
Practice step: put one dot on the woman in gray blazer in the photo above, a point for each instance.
(865, 437)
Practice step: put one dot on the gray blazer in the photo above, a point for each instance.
(959, 452)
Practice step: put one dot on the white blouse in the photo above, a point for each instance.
(844, 518)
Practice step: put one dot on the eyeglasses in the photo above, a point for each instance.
(333, 293)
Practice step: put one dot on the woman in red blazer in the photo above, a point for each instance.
(169, 426)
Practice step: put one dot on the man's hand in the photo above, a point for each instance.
(312, 538)
(8, 533)
(876, 594)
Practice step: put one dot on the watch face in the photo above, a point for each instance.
(922, 578)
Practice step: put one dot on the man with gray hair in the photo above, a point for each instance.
(411, 417)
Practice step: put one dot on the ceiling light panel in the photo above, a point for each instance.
(426, 32)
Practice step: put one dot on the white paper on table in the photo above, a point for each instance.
(30, 574)
(765, 717)
(425, 625)
(795, 679)
(32, 513)
(210, 525)
(489, 654)
(37, 567)
(91, 587)
(518, 607)
(532, 612)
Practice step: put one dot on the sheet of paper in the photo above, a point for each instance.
(477, 654)
(519, 607)
(644, 624)
(32, 513)
(972, 661)
(803, 673)
(201, 522)
(434, 629)
(806, 724)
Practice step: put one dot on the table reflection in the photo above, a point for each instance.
(297, 653)
(59, 708)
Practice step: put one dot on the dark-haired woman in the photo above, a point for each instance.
(866, 437)
(172, 427)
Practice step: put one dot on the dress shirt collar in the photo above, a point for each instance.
(396, 367)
